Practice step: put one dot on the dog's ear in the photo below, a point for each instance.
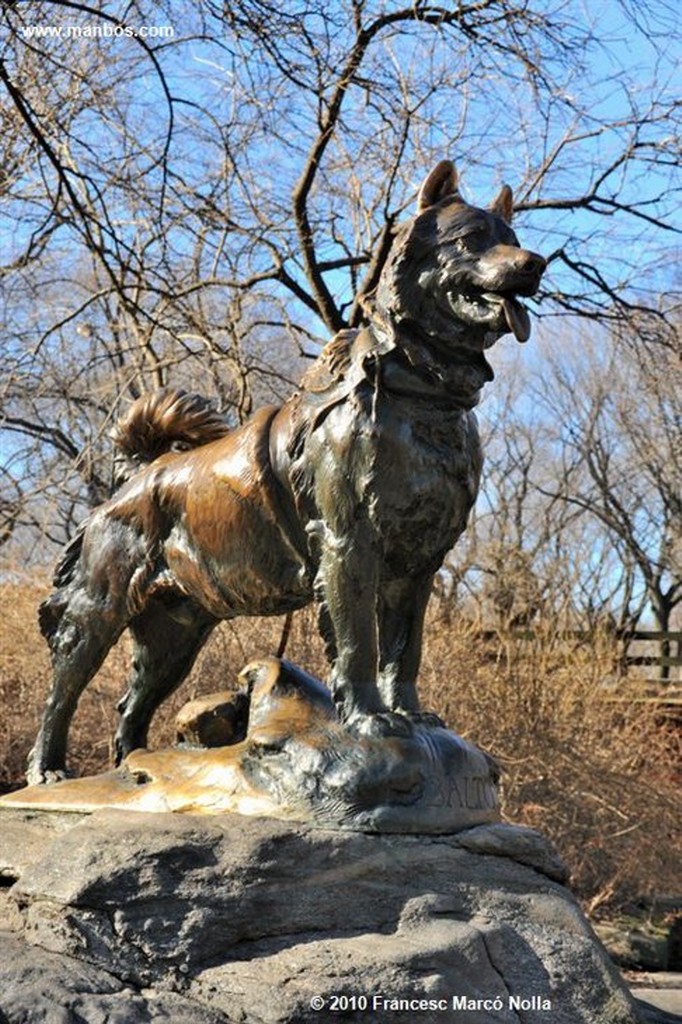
(503, 204)
(441, 182)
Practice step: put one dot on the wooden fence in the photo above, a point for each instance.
(664, 659)
(650, 657)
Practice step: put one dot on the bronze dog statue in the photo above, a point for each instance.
(351, 493)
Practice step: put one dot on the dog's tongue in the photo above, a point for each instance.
(517, 318)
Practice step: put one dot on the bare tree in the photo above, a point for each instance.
(205, 208)
(531, 556)
(616, 419)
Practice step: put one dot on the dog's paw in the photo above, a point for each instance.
(379, 724)
(36, 776)
(427, 719)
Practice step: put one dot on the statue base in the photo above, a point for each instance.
(296, 762)
(171, 917)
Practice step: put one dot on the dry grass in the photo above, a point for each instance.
(598, 777)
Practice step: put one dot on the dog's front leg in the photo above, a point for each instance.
(346, 586)
(401, 624)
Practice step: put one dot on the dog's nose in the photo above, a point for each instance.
(532, 269)
(534, 265)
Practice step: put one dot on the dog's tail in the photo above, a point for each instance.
(162, 421)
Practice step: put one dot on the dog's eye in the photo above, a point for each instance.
(456, 245)
(474, 241)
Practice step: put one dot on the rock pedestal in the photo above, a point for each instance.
(126, 918)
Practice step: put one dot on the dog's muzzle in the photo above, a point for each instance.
(503, 277)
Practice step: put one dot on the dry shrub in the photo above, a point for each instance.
(596, 776)
(24, 667)
(594, 773)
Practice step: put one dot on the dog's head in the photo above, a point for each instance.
(456, 272)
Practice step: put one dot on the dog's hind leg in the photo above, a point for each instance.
(166, 641)
(80, 628)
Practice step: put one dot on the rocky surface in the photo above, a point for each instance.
(131, 917)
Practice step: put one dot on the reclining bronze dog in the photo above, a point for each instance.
(350, 493)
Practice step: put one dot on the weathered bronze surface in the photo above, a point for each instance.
(351, 493)
(298, 762)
